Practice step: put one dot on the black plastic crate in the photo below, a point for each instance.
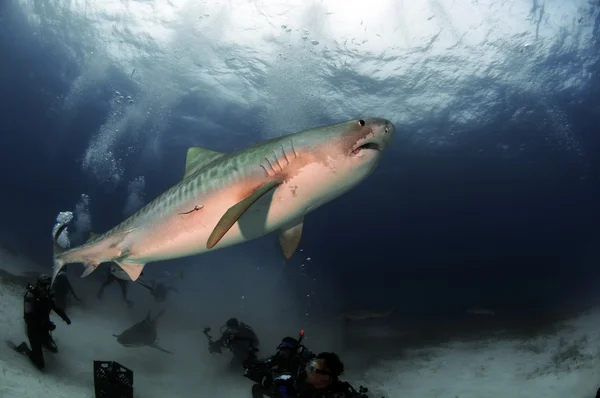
(112, 380)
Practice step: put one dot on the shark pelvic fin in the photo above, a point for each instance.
(198, 157)
(289, 238)
(133, 270)
(235, 212)
(88, 269)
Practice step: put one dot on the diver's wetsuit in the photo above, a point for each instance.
(242, 342)
(110, 278)
(61, 289)
(291, 359)
(37, 309)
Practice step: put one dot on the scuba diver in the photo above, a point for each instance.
(37, 304)
(62, 289)
(318, 378)
(322, 380)
(290, 359)
(162, 287)
(239, 338)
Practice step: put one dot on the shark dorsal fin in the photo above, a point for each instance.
(198, 157)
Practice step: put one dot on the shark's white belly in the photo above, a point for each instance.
(182, 235)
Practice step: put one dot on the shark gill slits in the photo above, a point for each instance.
(361, 122)
(287, 161)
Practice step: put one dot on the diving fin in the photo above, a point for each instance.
(232, 215)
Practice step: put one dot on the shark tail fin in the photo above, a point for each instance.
(154, 345)
(57, 251)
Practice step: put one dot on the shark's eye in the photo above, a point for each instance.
(361, 122)
(386, 130)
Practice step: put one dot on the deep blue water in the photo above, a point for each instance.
(435, 228)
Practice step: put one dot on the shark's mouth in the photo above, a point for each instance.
(369, 145)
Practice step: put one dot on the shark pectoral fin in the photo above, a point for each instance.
(88, 269)
(235, 212)
(289, 238)
(198, 157)
(133, 270)
(154, 345)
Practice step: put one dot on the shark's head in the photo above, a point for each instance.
(367, 137)
(351, 150)
(355, 147)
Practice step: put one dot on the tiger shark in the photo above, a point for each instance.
(228, 198)
(142, 334)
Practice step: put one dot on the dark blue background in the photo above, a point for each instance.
(434, 229)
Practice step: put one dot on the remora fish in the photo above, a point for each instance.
(228, 198)
(142, 334)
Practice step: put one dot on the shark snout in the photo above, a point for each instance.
(378, 138)
(383, 133)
